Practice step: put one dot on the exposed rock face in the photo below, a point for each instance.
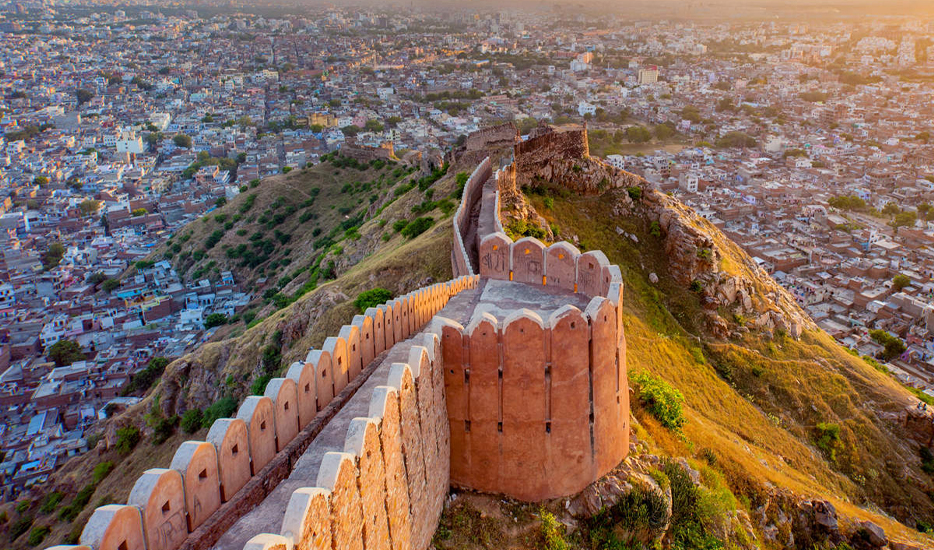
(549, 157)
(696, 256)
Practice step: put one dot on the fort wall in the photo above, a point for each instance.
(473, 190)
(521, 405)
(211, 483)
(502, 135)
(538, 408)
(561, 158)
(365, 153)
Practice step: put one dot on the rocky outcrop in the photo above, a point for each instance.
(702, 258)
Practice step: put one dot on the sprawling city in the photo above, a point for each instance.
(130, 131)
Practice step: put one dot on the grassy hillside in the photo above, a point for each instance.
(762, 407)
(324, 253)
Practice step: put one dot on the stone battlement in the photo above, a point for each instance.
(206, 480)
(517, 386)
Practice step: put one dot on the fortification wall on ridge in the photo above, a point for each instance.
(538, 408)
(367, 153)
(211, 483)
(473, 189)
(502, 135)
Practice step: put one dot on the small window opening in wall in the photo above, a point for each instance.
(499, 427)
(166, 508)
(286, 405)
(324, 373)
(203, 474)
(235, 450)
(573, 324)
(548, 427)
(262, 425)
(353, 347)
(307, 388)
(122, 546)
(466, 376)
(340, 360)
(467, 426)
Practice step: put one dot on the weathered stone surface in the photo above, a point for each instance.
(303, 374)
(232, 442)
(528, 261)
(338, 474)
(561, 265)
(522, 469)
(363, 442)
(196, 461)
(160, 496)
(284, 395)
(114, 527)
(384, 405)
(876, 535)
(307, 520)
(259, 415)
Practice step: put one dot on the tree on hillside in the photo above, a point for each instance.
(894, 346)
(638, 134)
(64, 352)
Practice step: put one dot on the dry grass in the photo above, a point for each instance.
(756, 403)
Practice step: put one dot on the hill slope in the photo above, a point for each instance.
(324, 252)
(758, 403)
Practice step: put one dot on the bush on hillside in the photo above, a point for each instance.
(662, 400)
(417, 226)
(372, 298)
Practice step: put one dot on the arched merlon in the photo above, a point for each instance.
(241, 447)
(114, 527)
(560, 265)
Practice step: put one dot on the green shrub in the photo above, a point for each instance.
(20, 526)
(215, 320)
(417, 226)
(662, 400)
(102, 470)
(552, 531)
(635, 193)
(655, 229)
(127, 438)
(145, 379)
(37, 535)
(50, 502)
(828, 438)
(259, 385)
(399, 225)
(192, 420)
(372, 298)
(222, 408)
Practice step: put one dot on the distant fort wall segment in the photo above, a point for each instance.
(211, 483)
(473, 190)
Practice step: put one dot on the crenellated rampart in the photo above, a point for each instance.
(518, 387)
(473, 191)
(211, 483)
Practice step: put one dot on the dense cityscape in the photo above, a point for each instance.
(809, 145)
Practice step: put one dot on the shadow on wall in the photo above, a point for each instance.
(165, 505)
